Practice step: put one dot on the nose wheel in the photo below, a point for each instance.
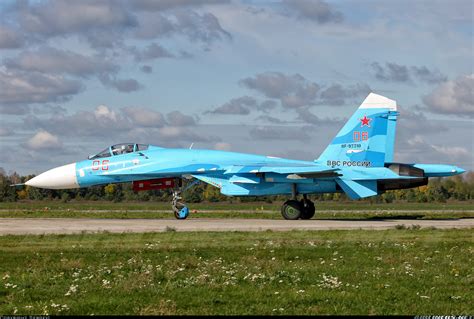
(180, 210)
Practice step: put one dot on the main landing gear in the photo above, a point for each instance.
(294, 209)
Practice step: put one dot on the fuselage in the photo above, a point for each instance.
(359, 161)
(163, 162)
(234, 173)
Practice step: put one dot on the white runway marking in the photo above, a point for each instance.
(78, 225)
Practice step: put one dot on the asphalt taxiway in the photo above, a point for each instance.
(23, 226)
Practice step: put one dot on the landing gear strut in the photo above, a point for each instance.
(308, 208)
(294, 209)
(180, 210)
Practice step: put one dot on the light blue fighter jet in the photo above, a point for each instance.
(358, 162)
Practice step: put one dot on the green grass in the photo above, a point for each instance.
(324, 210)
(300, 272)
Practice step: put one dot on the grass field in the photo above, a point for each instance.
(324, 210)
(300, 272)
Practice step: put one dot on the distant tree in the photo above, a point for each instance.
(15, 178)
(7, 192)
(410, 195)
(109, 191)
(65, 197)
(388, 197)
(144, 196)
(328, 196)
(212, 194)
(34, 193)
(22, 193)
(95, 193)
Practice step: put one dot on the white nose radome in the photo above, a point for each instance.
(61, 177)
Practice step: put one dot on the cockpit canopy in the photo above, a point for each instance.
(119, 149)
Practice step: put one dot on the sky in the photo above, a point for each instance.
(275, 78)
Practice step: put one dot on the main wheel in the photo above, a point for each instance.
(291, 210)
(308, 209)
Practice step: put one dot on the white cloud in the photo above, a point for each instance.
(176, 118)
(426, 151)
(56, 61)
(314, 10)
(292, 90)
(43, 140)
(453, 97)
(103, 112)
(34, 87)
(171, 131)
(454, 151)
(9, 39)
(5, 131)
(144, 116)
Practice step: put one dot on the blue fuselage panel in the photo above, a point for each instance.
(239, 174)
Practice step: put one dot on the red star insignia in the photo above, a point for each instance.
(365, 121)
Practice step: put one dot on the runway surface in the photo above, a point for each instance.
(78, 225)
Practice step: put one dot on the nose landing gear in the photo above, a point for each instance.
(180, 210)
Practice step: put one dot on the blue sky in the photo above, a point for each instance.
(267, 77)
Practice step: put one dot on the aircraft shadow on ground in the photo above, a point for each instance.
(396, 217)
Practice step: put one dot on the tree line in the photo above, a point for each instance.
(455, 188)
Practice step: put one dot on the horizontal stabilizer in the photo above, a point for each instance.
(439, 170)
(358, 189)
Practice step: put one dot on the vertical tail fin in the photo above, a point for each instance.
(368, 137)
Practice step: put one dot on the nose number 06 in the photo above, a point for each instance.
(96, 165)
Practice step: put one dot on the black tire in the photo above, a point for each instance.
(308, 209)
(176, 215)
(291, 210)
